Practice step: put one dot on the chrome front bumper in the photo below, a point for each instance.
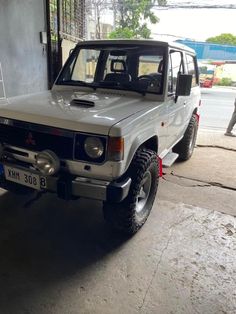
(93, 189)
(68, 187)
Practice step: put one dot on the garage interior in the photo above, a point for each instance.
(60, 257)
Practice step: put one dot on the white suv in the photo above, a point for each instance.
(117, 112)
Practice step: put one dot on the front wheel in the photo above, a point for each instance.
(129, 215)
(186, 146)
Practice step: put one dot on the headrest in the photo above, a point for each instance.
(118, 66)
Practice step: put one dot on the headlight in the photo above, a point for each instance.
(93, 147)
(47, 162)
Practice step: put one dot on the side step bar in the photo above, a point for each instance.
(169, 159)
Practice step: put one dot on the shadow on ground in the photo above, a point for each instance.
(47, 242)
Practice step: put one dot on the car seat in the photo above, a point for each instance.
(118, 72)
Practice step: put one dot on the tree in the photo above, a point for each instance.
(225, 39)
(96, 8)
(133, 16)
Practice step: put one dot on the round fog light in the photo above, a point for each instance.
(47, 162)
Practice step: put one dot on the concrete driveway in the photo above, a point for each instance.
(60, 257)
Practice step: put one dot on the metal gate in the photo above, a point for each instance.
(65, 21)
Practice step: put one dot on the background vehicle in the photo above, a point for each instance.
(207, 75)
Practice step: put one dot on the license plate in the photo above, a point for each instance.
(26, 178)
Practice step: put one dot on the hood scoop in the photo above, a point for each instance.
(82, 103)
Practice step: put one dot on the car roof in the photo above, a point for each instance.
(151, 42)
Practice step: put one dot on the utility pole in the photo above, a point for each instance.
(114, 14)
(59, 40)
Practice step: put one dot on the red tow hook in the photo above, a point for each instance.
(198, 117)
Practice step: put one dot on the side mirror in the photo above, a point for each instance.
(184, 85)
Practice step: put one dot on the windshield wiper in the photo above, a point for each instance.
(112, 84)
(77, 83)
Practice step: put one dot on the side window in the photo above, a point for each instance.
(175, 67)
(150, 64)
(191, 68)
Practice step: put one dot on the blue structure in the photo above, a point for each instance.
(208, 51)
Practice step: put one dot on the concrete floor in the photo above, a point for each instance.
(60, 257)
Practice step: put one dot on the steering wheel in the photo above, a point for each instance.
(146, 77)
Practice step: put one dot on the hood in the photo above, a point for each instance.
(96, 113)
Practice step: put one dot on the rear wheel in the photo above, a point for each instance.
(186, 146)
(129, 215)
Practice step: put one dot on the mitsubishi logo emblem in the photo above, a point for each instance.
(30, 140)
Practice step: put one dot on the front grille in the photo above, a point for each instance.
(37, 138)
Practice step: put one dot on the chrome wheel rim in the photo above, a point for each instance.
(192, 142)
(144, 192)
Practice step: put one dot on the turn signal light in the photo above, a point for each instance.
(116, 148)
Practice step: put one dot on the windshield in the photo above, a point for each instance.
(123, 67)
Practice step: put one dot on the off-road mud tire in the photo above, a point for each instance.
(186, 146)
(124, 216)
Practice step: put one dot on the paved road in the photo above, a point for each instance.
(217, 107)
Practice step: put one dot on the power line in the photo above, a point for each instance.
(186, 5)
(167, 7)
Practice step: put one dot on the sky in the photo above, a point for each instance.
(196, 24)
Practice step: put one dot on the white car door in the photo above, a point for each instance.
(176, 107)
(194, 99)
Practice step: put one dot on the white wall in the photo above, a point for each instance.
(24, 62)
